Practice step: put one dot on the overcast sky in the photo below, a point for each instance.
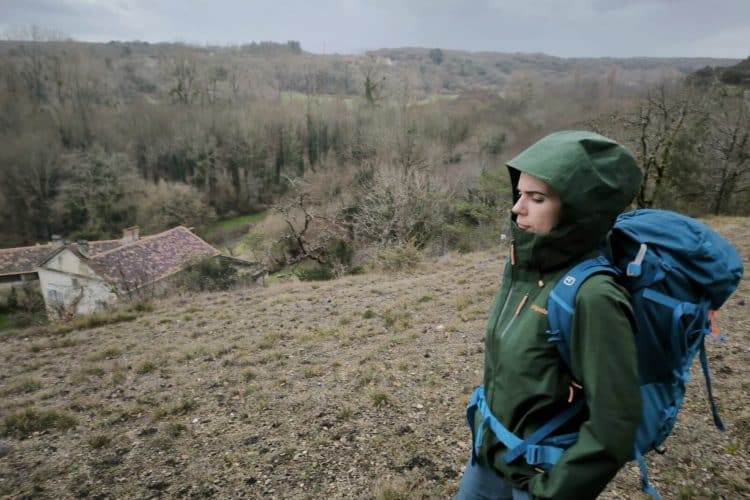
(566, 28)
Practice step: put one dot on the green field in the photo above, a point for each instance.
(5, 322)
(231, 227)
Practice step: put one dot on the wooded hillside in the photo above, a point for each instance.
(97, 137)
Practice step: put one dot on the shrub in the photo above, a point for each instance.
(342, 252)
(174, 429)
(182, 408)
(398, 257)
(146, 367)
(93, 320)
(31, 300)
(379, 399)
(394, 206)
(141, 305)
(32, 420)
(315, 272)
(168, 204)
(99, 441)
(23, 307)
(24, 386)
(211, 274)
(108, 353)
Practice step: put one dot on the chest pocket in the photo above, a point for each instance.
(524, 348)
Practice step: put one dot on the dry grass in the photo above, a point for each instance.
(353, 388)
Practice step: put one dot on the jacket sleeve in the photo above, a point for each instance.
(604, 360)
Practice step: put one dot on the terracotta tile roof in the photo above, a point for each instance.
(96, 247)
(22, 259)
(151, 258)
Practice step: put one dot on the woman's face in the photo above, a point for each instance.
(538, 207)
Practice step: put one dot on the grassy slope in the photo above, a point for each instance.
(229, 227)
(345, 389)
(5, 322)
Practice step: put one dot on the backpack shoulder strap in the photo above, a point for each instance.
(562, 299)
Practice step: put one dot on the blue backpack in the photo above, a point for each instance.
(677, 271)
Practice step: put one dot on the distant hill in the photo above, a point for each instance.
(738, 74)
(140, 69)
(491, 68)
(221, 128)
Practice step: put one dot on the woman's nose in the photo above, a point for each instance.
(518, 207)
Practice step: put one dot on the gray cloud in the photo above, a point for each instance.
(583, 28)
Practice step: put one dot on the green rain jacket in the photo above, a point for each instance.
(526, 382)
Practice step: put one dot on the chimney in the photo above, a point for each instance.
(83, 247)
(57, 241)
(130, 234)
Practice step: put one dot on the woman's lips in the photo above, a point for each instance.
(522, 227)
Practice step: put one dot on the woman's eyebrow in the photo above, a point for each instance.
(533, 191)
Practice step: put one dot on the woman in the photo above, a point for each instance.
(568, 188)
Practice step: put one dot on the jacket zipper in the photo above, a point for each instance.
(515, 315)
(510, 293)
(509, 273)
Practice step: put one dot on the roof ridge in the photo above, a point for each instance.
(166, 255)
(104, 241)
(26, 247)
(138, 242)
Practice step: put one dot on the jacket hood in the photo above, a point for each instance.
(596, 179)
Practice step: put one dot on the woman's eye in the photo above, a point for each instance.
(538, 199)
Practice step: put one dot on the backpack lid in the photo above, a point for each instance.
(712, 264)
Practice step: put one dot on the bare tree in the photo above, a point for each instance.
(651, 130)
(236, 77)
(374, 79)
(397, 206)
(728, 148)
(310, 237)
(31, 171)
(184, 70)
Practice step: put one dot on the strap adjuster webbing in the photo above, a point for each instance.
(531, 449)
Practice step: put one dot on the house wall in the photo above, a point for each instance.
(66, 280)
(68, 262)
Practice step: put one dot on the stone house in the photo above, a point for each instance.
(18, 266)
(84, 277)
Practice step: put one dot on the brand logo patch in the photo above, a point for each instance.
(569, 281)
(538, 309)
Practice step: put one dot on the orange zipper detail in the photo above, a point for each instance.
(521, 304)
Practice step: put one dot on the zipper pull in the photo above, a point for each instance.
(571, 390)
(521, 304)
